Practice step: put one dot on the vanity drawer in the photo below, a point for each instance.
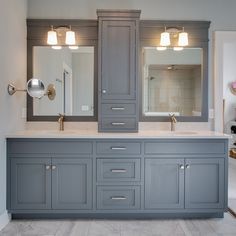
(121, 148)
(200, 146)
(46, 146)
(109, 170)
(118, 197)
(119, 109)
(119, 124)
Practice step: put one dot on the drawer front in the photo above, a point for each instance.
(119, 197)
(118, 170)
(119, 124)
(119, 109)
(185, 147)
(118, 148)
(46, 146)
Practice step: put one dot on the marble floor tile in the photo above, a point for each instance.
(189, 227)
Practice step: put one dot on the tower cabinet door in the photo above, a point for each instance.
(204, 183)
(118, 68)
(164, 183)
(30, 183)
(71, 183)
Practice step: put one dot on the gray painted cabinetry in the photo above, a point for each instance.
(118, 67)
(117, 177)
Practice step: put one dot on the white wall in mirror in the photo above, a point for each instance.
(72, 74)
(172, 82)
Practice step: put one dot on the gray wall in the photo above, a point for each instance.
(220, 13)
(13, 69)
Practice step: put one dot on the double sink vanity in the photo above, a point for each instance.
(118, 171)
(127, 175)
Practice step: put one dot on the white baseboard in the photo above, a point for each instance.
(5, 218)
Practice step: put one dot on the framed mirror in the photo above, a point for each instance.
(174, 81)
(72, 71)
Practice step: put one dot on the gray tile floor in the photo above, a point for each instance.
(205, 227)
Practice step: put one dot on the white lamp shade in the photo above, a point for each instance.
(70, 37)
(165, 39)
(52, 37)
(183, 39)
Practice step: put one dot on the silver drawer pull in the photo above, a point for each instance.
(118, 198)
(118, 148)
(118, 170)
(187, 166)
(54, 167)
(118, 108)
(118, 123)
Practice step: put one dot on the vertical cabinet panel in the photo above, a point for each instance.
(71, 183)
(164, 183)
(30, 183)
(118, 60)
(204, 180)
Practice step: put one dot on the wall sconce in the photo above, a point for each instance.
(35, 88)
(52, 38)
(173, 33)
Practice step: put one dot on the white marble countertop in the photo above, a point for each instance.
(155, 134)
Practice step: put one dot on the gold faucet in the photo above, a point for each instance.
(173, 121)
(61, 121)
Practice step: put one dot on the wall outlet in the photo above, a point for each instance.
(23, 113)
(85, 108)
(211, 114)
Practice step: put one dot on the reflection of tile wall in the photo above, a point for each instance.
(174, 91)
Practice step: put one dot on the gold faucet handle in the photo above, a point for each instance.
(173, 118)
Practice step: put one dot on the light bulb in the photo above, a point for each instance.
(178, 48)
(57, 47)
(161, 48)
(73, 47)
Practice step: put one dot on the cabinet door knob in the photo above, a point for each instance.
(187, 166)
(104, 91)
(181, 167)
(48, 167)
(54, 167)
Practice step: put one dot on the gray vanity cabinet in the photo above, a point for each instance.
(164, 183)
(71, 183)
(118, 70)
(30, 183)
(204, 183)
(184, 183)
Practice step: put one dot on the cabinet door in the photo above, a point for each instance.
(71, 183)
(164, 183)
(204, 180)
(118, 60)
(30, 183)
